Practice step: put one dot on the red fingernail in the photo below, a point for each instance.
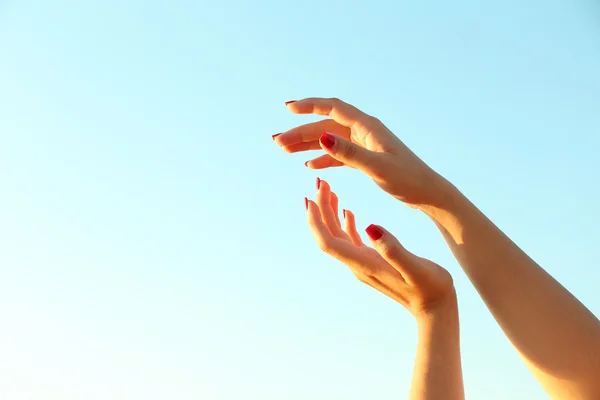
(290, 102)
(306, 203)
(275, 135)
(344, 212)
(306, 163)
(374, 232)
(318, 183)
(327, 140)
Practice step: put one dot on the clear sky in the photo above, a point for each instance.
(153, 241)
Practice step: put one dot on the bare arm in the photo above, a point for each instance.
(556, 335)
(437, 373)
(421, 286)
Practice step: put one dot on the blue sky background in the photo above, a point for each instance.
(153, 241)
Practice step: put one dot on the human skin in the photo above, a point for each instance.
(421, 286)
(555, 334)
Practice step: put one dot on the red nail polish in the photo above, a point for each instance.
(275, 135)
(306, 203)
(327, 140)
(318, 183)
(344, 212)
(290, 102)
(374, 232)
(306, 163)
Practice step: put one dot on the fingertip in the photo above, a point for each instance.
(344, 212)
(374, 232)
(287, 103)
(306, 203)
(323, 185)
(275, 136)
(349, 218)
(306, 164)
(348, 215)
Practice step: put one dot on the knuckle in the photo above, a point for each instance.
(349, 151)
(360, 276)
(324, 245)
(390, 252)
(363, 276)
(372, 122)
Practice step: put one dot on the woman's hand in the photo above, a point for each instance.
(423, 287)
(358, 140)
(418, 284)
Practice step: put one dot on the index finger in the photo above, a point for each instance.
(341, 249)
(343, 113)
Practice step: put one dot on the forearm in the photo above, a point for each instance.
(437, 373)
(556, 335)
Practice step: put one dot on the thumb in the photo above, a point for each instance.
(403, 261)
(349, 153)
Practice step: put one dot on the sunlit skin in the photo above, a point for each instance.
(396, 169)
(421, 286)
(557, 336)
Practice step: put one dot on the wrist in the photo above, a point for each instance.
(442, 314)
(438, 372)
(449, 207)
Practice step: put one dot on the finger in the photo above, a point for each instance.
(338, 248)
(352, 154)
(324, 161)
(340, 111)
(396, 255)
(310, 132)
(334, 201)
(350, 228)
(296, 147)
(327, 212)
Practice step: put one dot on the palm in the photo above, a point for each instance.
(437, 282)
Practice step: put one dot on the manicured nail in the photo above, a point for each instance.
(306, 203)
(327, 140)
(306, 163)
(374, 232)
(275, 135)
(290, 102)
(344, 212)
(318, 183)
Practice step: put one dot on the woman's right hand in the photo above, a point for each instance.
(358, 140)
(420, 285)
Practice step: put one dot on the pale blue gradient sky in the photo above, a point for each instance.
(153, 241)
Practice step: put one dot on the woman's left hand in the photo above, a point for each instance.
(420, 285)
